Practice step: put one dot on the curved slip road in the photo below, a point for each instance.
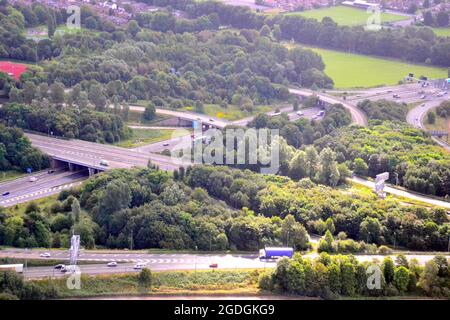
(358, 115)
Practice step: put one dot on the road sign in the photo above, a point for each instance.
(382, 176)
(29, 170)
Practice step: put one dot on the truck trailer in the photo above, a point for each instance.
(275, 252)
(12, 267)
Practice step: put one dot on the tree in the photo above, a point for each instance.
(57, 93)
(265, 31)
(428, 18)
(145, 278)
(401, 278)
(294, 234)
(442, 19)
(329, 173)
(297, 166)
(330, 225)
(150, 111)
(388, 268)
(199, 108)
(326, 243)
(312, 162)
(431, 117)
(133, 28)
(277, 32)
(76, 210)
(360, 167)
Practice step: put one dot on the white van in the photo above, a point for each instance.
(104, 163)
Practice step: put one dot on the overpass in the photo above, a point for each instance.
(78, 154)
(358, 116)
(207, 121)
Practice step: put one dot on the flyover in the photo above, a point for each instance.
(358, 116)
(89, 155)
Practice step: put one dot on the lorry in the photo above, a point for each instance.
(12, 267)
(275, 252)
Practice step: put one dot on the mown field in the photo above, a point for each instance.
(358, 71)
(232, 112)
(142, 137)
(346, 16)
(171, 282)
(442, 32)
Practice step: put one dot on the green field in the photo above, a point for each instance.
(232, 112)
(359, 71)
(346, 16)
(141, 137)
(41, 32)
(442, 32)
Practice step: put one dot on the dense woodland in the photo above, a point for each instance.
(333, 276)
(84, 123)
(408, 154)
(16, 152)
(218, 208)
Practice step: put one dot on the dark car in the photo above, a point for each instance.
(50, 171)
(7, 193)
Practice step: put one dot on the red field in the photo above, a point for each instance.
(14, 70)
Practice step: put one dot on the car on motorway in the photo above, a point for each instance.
(212, 120)
(104, 163)
(139, 266)
(45, 255)
(299, 113)
(112, 264)
(33, 179)
(50, 171)
(396, 96)
(59, 266)
(276, 113)
(423, 96)
(213, 265)
(423, 105)
(7, 193)
(68, 269)
(165, 144)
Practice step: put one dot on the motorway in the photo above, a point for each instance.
(22, 190)
(158, 262)
(90, 154)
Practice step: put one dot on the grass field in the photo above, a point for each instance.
(10, 175)
(142, 137)
(359, 71)
(41, 32)
(442, 32)
(346, 16)
(232, 112)
(164, 283)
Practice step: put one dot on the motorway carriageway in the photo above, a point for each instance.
(22, 189)
(159, 262)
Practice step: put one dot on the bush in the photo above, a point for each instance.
(265, 281)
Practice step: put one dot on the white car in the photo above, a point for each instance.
(276, 113)
(45, 255)
(299, 113)
(33, 179)
(112, 264)
(139, 266)
(104, 163)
